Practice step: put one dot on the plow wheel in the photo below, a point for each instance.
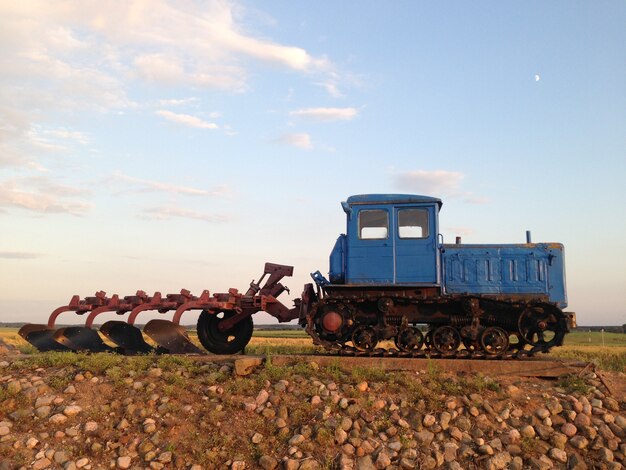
(409, 339)
(364, 338)
(543, 330)
(446, 339)
(494, 341)
(223, 342)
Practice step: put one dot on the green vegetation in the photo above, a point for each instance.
(580, 345)
(613, 358)
(574, 384)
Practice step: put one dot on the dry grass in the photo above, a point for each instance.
(577, 346)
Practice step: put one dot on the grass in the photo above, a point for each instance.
(609, 354)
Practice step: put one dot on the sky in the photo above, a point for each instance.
(160, 145)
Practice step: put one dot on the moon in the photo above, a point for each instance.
(537, 77)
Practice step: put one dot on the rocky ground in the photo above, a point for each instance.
(74, 411)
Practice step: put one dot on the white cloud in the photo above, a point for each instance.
(429, 182)
(168, 212)
(326, 114)
(65, 134)
(438, 183)
(45, 198)
(177, 101)
(60, 59)
(186, 120)
(148, 186)
(297, 139)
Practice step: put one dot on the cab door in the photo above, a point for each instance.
(370, 246)
(415, 243)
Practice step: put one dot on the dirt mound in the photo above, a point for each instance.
(106, 411)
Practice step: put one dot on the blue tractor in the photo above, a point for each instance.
(391, 278)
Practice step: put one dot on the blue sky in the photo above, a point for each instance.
(159, 145)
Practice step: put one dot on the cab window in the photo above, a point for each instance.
(413, 223)
(373, 224)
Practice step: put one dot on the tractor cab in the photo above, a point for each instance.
(390, 239)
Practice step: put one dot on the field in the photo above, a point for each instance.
(607, 351)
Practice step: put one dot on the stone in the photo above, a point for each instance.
(297, 440)
(309, 464)
(14, 387)
(340, 435)
(558, 454)
(124, 462)
(542, 413)
(429, 420)
(558, 440)
(290, 464)
(257, 438)
(365, 463)
(238, 465)
(382, 460)
(569, 429)
(4, 431)
(60, 457)
(424, 437)
(58, 419)
(245, 366)
(267, 462)
(72, 410)
(41, 463)
(499, 461)
(528, 431)
(541, 463)
(579, 442)
(576, 462)
(165, 457)
(582, 420)
(485, 449)
(262, 397)
(31, 443)
(362, 386)
(80, 463)
(123, 424)
(449, 451)
(606, 455)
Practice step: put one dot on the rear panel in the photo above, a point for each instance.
(505, 269)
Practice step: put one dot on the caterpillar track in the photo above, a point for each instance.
(349, 328)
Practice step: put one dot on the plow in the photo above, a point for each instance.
(224, 325)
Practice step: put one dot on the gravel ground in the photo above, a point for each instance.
(97, 412)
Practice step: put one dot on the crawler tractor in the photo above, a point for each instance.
(391, 279)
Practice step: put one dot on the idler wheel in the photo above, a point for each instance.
(332, 321)
(364, 338)
(446, 339)
(223, 342)
(541, 329)
(494, 341)
(409, 339)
